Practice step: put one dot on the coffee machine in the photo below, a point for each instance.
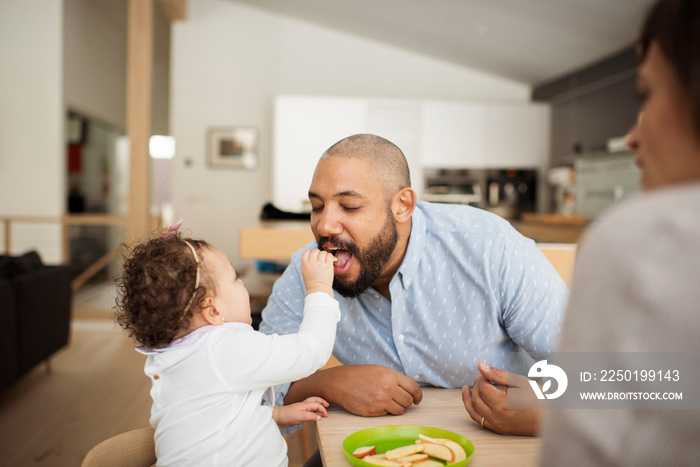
(506, 192)
(510, 192)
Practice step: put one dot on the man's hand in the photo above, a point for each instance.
(487, 401)
(309, 410)
(365, 390)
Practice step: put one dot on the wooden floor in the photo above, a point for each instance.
(93, 389)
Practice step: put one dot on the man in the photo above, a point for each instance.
(427, 291)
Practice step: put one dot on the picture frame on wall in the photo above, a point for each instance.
(233, 147)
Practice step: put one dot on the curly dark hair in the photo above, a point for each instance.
(157, 283)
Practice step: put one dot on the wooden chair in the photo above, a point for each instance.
(562, 256)
(135, 448)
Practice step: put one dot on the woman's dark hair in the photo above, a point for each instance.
(675, 26)
(157, 284)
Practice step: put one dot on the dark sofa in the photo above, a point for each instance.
(35, 306)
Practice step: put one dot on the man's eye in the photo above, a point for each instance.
(351, 208)
(316, 208)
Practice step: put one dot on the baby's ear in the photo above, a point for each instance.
(209, 312)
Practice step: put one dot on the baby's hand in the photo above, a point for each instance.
(310, 410)
(317, 270)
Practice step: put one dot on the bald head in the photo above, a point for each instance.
(389, 163)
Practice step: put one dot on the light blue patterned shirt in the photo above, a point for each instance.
(470, 289)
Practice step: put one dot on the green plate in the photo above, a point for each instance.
(394, 436)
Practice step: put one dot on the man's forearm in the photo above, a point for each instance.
(318, 384)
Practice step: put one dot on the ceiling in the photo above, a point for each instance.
(529, 41)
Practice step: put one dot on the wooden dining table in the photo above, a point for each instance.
(440, 408)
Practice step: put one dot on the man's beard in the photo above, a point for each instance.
(371, 261)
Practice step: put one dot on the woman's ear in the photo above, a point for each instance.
(403, 205)
(209, 312)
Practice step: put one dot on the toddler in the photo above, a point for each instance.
(183, 303)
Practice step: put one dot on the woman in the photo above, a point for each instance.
(636, 284)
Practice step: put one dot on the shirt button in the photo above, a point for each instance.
(416, 376)
(377, 296)
(408, 282)
(156, 377)
(401, 337)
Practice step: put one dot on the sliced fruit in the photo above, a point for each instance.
(457, 448)
(403, 451)
(413, 458)
(378, 459)
(428, 439)
(439, 451)
(364, 451)
(427, 463)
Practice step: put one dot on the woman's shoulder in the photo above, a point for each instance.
(670, 214)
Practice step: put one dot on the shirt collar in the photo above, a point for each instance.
(416, 243)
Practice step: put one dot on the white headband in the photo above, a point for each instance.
(196, 282)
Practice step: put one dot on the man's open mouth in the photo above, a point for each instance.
(344, 259)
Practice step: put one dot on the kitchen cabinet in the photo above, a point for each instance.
(304, 127)
(515, 135)
(452, 135)
(437, 134)
(484, 135)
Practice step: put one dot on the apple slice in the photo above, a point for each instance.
(403, 451)
(378, 459)
(457, 448)
(427, 463)
(427, 439)
(364, 451)
(413, 458)
(439, 451)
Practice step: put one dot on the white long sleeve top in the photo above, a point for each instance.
(207, 388)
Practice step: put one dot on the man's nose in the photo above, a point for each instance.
(329, 224)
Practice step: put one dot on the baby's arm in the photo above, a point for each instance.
(317, 270)
(310, 410)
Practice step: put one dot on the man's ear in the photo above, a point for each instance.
(403, 205)
(209, 312)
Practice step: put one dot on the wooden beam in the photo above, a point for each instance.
(174, 10)
(138, 115)
(93, 269)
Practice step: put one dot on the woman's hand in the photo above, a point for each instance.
(486, 402)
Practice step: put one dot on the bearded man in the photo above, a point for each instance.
(427, 291)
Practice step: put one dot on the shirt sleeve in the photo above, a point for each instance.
(266, 360)
(533, 298)
(284, 310)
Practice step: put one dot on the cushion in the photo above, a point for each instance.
(13, 266)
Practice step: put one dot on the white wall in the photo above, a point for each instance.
(31, 108)
(31, 113)
(95, 59)
(229, 61)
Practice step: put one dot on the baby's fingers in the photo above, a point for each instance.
(318, 400)
(305, 255)
(327, 257)
(318, 408)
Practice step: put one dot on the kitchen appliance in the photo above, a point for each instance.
(506, 192)
(603, 180)
(564, 181)
(454, 186)
(511, 192)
